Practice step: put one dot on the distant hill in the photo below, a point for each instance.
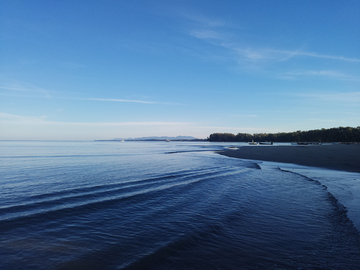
(156, 138)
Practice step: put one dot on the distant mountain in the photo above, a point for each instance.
(162, 138)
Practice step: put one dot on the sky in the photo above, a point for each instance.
(87, 70)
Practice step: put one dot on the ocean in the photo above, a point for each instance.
(177, 205)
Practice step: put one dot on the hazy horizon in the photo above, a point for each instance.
(118, 69)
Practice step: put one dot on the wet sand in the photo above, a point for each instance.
(337, 157)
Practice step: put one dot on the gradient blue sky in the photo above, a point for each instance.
(83, 70)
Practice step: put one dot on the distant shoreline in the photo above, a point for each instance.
(155, 140)
(337, 157)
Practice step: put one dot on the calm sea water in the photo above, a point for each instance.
(158, 205)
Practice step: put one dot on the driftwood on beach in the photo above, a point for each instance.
(337, 157)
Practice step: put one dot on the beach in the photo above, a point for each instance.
(337, 157)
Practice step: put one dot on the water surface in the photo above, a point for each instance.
(159, 205)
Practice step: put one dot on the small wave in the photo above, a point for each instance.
(187, 151)
(341, 209)
(232, 148)
(60, 156)
(95, 198)
(254, 166)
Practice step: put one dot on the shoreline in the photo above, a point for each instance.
(336, 157)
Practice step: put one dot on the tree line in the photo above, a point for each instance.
(339, 134)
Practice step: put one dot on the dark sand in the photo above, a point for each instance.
(337, 157)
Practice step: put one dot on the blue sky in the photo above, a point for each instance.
(83, 70)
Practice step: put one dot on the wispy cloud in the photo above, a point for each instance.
(121, 100)
(130, 101)
(20, 89)
(244, 115)
(341, 58)
(42, 120)
(322, 73)
(350, 97)
(13, 86)
(5, 117)
(251, 54)
(18, 127)
(206, 34)
(46, 95)
(259, 54)
(205, 28)
(280, 55)
(203, 21)
(211, 30)
(214, 129)
(72, 65)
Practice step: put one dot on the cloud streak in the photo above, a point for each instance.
(206, 34)
(281, 55)
(244, 115)
(214, 129)
(121, 100)
(340, 58)
(324, 73)
(12, 118)
(17, 127)
(211, 30)
(350, 98)
(13, 88)
(130, 101)
(203, 21)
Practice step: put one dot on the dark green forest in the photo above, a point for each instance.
(340, 134)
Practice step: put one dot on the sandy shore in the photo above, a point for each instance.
(336, 157)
